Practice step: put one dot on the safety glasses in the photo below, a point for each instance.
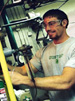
(51, 24)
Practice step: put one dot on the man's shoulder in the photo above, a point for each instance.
(72, 38)
(71, 43)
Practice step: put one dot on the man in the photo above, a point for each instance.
(57, 60)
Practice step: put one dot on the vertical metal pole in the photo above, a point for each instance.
(9, 29)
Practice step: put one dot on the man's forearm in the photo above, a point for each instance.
(51, 83)
(47, 83)
(59, 82)
(20, 70)
(24, 70)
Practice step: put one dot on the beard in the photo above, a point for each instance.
(56, 37)
(53, 35)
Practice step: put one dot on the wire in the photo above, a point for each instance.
(63, 4)
(4, 7)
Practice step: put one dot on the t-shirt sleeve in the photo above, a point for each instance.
(71, 58)
(70, 63)
(36, 60)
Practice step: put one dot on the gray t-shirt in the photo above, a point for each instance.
(52, 59)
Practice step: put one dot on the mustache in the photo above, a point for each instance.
(50, 31)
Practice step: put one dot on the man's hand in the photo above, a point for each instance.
(17, 79)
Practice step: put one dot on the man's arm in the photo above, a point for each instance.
(22, 70)
(60, 82)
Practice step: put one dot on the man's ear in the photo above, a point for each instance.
(64, 23)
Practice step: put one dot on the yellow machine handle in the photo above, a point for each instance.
(6, 75)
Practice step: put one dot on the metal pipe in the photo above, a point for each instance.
(18, 22)
(9, 31)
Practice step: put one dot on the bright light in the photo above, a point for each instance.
(16, 1)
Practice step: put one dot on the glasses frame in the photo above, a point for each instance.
(51, 24)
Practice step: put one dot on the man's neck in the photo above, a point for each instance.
(61, 40)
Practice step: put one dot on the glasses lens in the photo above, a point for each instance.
(50, 24)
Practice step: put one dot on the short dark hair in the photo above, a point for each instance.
(58, 14)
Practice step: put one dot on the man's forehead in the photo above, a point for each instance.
(49, 18)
